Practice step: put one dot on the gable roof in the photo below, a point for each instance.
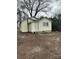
(37, 19)
(33, 19)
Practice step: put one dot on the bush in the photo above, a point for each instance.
(56, 25)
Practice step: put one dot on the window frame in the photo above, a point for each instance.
(45, 24)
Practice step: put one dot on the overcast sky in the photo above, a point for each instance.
(55, 9)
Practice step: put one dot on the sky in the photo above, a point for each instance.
(55, 6)
(55, 9)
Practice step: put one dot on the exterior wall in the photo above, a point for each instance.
(45, 28)
(34, 27)
(24, 27)
(30, 27)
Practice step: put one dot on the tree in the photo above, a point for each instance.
(56, 23)
(33, 7)
(30, 8)
(21, 15)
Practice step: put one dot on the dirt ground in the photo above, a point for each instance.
(39, 45)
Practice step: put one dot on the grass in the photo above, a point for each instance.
(38, 46)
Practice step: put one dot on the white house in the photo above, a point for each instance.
(36, 25)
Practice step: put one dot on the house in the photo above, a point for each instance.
(36, 25)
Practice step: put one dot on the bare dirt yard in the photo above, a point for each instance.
(39, 45)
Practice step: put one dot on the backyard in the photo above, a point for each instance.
(39, 45)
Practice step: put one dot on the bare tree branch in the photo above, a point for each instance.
(35, 5)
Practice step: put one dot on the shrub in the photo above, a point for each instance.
(56, 24)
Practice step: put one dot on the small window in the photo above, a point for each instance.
(45, 23)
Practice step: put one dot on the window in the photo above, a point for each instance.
(45, 23)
